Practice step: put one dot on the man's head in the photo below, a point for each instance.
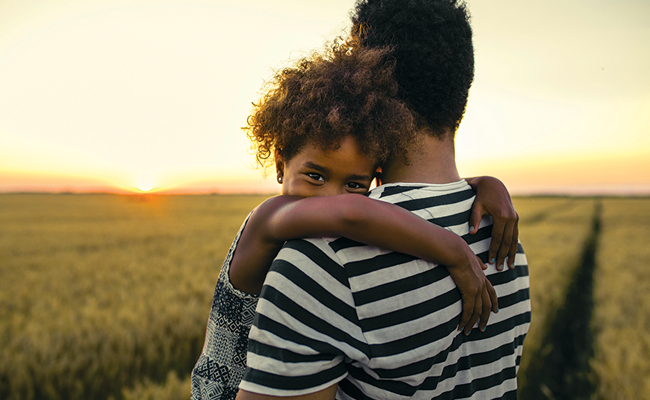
(433, 51)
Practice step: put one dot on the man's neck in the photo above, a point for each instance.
(431, 160)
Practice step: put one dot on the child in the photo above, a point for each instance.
(329, 123)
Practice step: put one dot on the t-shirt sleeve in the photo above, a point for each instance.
(306, 328)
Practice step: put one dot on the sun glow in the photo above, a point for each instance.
(116, 100)
(145, 182)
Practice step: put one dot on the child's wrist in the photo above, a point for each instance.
(458, 251)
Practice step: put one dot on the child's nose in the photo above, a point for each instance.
(333, 190)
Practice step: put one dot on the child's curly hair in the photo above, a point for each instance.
(433, 52)
(344, 91)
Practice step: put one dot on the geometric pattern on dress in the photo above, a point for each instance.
(248, 313)
(222, 363)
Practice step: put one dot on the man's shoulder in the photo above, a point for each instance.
(310, 255)
(312, 248)
(313, 269)
(446, 205)
(418, 195)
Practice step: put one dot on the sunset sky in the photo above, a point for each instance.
(109, 95)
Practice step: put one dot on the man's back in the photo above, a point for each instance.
(384, 324)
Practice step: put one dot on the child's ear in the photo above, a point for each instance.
(279, 166)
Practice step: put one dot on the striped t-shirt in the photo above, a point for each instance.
(381, 324)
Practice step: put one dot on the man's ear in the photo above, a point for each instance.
(279, 165)
(378, 175)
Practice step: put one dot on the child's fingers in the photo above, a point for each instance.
(506, 244)
(495, 243)
(468, 310)
(485, 311)
(475, 217)
(478, 308)
(493, 297)
(513, 247)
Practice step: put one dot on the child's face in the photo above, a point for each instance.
(314, 172)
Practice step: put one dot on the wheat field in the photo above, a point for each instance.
(553, 232)
(99, 292)
(621, 324)
(107, 296)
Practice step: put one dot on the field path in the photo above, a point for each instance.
(561, 370)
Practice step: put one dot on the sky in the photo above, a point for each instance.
(123, 96)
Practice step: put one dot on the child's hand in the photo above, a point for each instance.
(493, 198)
(479, 297)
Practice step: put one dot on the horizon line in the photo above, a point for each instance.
(539, 193)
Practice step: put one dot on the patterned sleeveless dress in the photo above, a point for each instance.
(221, 366)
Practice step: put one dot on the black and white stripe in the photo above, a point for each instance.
(384, 324)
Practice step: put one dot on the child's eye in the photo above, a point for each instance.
(356, 185)
(315, 176)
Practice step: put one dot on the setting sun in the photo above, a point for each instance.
(145, 182)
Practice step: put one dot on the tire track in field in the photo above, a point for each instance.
(561, 369)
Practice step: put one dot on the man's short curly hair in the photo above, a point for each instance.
(432, 41)
(343, 91)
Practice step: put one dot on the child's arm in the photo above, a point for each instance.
(493, 198)
(367, 221)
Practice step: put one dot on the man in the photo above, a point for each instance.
(340, 318)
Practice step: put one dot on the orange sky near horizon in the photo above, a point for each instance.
(106, 95)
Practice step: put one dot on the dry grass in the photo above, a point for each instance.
(98, 292)
(172, 389)
(106, 295)
(621, 321)
(553, 232)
